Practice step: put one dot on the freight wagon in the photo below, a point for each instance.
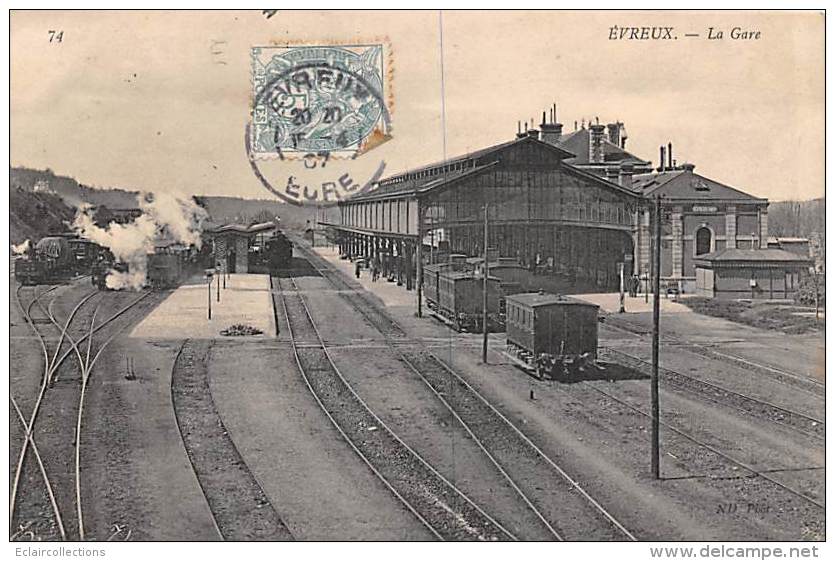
(50, 260)
(551, 335)
(456, 297)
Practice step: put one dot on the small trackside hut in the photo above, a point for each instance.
(550, 335)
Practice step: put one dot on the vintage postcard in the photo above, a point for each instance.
(413, 276)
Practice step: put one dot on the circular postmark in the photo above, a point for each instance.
(317, 99)
(317, 105)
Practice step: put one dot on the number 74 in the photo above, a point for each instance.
(56, 36)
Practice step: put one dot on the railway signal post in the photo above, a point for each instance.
(656, 316)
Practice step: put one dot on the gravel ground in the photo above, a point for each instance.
(241, 509)
(779, 507)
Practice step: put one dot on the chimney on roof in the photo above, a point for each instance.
(626, 172)
(623, 137)
(519, 133)
(596, 143)
(661, 160)
(688, 167)
(670, 155)
(533, 133)
(551, 132)
(612, 174)
(614, 132)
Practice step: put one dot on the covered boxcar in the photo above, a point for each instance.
(549, 334)
(49, 260)
(456, 297)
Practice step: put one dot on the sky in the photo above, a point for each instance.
(160, 100)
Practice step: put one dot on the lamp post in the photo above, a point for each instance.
(209, 276)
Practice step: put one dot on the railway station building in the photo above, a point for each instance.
(571, 207)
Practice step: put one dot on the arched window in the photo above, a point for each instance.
(703, 236)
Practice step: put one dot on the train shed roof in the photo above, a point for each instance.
(425, 179)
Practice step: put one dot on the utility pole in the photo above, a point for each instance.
(484, 290)
(419, 259)
(648, 275)
(656, 316)
(218, 285)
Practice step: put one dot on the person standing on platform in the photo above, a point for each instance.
(357, 267)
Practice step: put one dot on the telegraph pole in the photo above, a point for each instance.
(484, 291)
(656, 316)
(419, 259)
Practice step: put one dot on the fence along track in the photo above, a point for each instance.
(417, 362)
(420, 488)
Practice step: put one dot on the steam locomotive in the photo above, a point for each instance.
(166, 267)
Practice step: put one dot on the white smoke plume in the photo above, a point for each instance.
(21, 248)
(164, 217)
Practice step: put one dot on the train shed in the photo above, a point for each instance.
(553, 217)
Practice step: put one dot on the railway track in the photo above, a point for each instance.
(565, 508)
(52, 362)
(445, 511)
(761, 409)
(782, 376)
(239, 507)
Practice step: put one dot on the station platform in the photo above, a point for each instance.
(610, 302)
(391, 294)
(394, 296)
(245, 300)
